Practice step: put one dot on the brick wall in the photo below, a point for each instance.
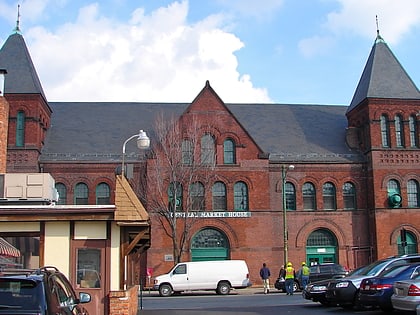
(4, 120)
(124, 302)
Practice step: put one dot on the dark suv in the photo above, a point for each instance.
(317, 273)
(45, 291)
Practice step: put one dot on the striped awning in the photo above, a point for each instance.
(7, 249)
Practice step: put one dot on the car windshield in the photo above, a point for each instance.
(374, 268)
(358, 271)
(19, 294)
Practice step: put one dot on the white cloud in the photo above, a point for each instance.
(396, 18)
(154, 57)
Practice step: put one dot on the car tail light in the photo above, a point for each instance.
(413, 290)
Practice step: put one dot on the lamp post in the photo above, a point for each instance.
(284, 170)
(143, 142)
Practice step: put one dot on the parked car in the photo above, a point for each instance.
(221, 276)
(315, 291)
(45, 291)
(406, 295)
(377, 291)
(317, 272)
(344, 291)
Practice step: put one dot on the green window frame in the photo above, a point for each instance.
(20, 129)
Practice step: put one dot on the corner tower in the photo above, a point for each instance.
(383, 121)
(29, 112)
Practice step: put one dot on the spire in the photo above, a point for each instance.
(383, 77)
(378, 36)
(17, 29)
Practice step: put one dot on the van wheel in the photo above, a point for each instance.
(165, 290)
(223, 288)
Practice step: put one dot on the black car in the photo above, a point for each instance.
(377, 291)
(344, 291)
(45, 291)
(317, 272)
(315, 291)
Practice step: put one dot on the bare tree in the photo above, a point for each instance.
(182, 165)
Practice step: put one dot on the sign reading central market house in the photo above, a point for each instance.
(234, 214)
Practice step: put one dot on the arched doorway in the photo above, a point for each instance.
(209, 244)
(321, 247)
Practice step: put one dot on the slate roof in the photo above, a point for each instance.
(95, 131)
(383, 77)
(21, 77)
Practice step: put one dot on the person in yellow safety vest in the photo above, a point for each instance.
(290, 278)
(303, 275)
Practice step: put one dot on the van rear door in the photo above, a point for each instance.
(179, 278)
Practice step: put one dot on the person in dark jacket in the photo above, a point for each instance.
(265, 276)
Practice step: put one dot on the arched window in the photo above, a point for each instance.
(62, 193)
(290, 193)
(207, 150)
(229, 156)
(240, 191)
(349, 196)
(399, 131)
(411, 246)
(385, 131)
(197, 196)
(103, 194)
(81, 194)
(394, 193)
(321, 237)
(187, 152)
(413, 195)
(175, 196)
(412, 125)
(219, 196)
(309, 196)
(20, 129)
(329, 196)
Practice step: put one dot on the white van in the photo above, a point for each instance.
(219, 275)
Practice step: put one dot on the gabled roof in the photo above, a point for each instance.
(383, 77)
(21, 77)
(96, 131)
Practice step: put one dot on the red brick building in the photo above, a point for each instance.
(353, 189)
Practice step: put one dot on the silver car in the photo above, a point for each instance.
(406, 295)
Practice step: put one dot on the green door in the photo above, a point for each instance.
(321, 247)
(209, 244)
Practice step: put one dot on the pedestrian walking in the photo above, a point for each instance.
(303, 275)
(290, 278)
(282, 273)
(265, 276)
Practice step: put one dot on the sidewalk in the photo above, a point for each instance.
(247, 291)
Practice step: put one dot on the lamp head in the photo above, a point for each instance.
(143, 141)
(291, 167)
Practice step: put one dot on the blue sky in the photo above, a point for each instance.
(282, 51)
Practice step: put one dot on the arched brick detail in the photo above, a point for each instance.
(218, 225)
(307, 229)
(396, 232)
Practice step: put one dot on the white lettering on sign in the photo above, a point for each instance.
(235, 214)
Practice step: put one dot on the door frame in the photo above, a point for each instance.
(99, 302)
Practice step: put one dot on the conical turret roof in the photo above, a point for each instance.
(383, 77)
(22, 77)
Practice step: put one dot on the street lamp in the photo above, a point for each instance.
(143, 142)
(284, 170)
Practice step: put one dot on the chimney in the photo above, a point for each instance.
(4, 123)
